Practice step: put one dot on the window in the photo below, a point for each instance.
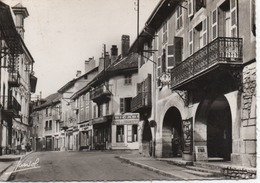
(100, 110)
(178, 49)
(120, 133)
(163, 61)
(46, 110)
(128, 79)
(200, 4)
(253, 26)
(214, 24)
(179, 18)
(46, 125)
(50, 125)
(125, 105)
(132, 133)
(205, 32)
(164, 33)
(94, 111)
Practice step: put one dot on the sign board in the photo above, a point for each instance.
(187, 136)
(126, 119)
(201, 153)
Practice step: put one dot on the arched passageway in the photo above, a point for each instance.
(219, 129)
(172, 133)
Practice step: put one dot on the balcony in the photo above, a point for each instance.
(10, 106)
(48, 128)
(14, 79)
(211, 63)
(101, 94)
(141, 102)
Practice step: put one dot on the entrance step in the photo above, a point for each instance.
(209, 165)
(201, 174)
(215, 173)
(215, 159)
(176, 161)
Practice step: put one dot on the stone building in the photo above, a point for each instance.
(17, 80)
(204, 69)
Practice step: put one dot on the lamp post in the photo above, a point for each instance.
(154, 125)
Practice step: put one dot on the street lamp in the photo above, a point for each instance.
(153, 124)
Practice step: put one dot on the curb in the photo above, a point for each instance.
(150, 168)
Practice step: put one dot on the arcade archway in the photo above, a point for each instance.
(172, 133)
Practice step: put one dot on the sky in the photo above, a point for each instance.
(62, 34)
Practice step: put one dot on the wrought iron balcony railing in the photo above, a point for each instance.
(47, 128)
(10, 105)
(100, 92)
(223, 50)
(141, 101)
(14, 79)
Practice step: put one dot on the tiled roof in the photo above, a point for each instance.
(51, 99)
(130, 61)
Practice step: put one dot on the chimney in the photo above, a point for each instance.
(90, 64)
(101, 64)
(107, 60)
(125, 41)
(114, 53)
(20, 13)
(78, 74)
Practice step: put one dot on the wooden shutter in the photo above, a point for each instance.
(190, 8)
(122, 105)
(170, 58)
(178, 46)
(233, 11)
(164, 61)
(205, 31)
(159, 71)
(191, 42)
(147, 90)
(214, 24)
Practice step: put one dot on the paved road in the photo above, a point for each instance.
(80, 166)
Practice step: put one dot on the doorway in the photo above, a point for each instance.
(172, 133)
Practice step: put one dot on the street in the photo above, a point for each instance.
(82, 166)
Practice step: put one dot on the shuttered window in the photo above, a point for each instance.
(164, 33)
(179, 18)
(215, 24)
(178, 49)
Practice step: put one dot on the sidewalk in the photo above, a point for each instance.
(165, 168)
(6, 161)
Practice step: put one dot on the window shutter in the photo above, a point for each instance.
(170, 53)
(159, 67)
(215, 24)
(139, 88)
(190, 8)
(122, 105)
(233, 11)
(191, 41)
(178, 46)
(205, 31)
(164, 61)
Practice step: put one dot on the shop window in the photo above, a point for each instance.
(128, 79)
(125, 105)
(132, 133)
(120, 133)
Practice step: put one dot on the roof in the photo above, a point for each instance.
(120, 66)
(50, 100)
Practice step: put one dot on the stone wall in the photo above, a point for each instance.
(239, 173)
(248, 116)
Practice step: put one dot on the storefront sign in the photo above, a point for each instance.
(124, 119)
(201, 153)
(187, 136)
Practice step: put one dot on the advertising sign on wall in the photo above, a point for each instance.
(126, 119)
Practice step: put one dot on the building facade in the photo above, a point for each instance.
(17, 80)
(204, 69)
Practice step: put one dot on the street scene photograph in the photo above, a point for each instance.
(128, 90)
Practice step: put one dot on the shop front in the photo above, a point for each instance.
(102, 132)
(85, 136)
(125, 131)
